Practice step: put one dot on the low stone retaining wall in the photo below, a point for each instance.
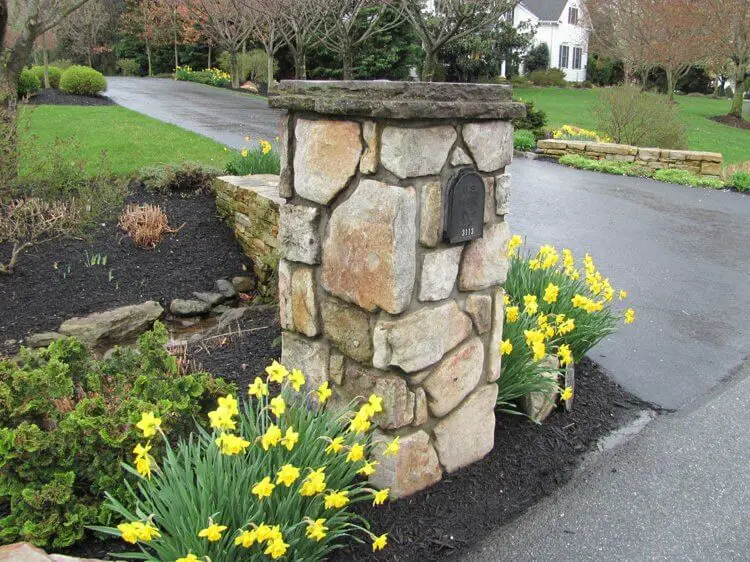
(250, 204)
(703, 163)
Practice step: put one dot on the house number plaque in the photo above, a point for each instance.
(463, 207)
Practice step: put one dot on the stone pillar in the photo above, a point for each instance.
(373, 297)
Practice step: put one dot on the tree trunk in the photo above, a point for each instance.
(234, 64)
(269, 70)
(670, 82)
(45, 61)
(148, 57)
(348, 64)
(8, 136)
(174, 39)
(430, 62)
(300, 65)
(209, 55)
(89, 58)
(739, 92)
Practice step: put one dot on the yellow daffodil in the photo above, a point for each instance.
(221, 418)
(258, 388)
(531, 306)
(128, 532)
(550, 293)
(296, 379)
(566, 327)
(316, 530)
(143, 466)
(264, 488)
(315, 483)
(323, 393)
(506, 347)
(506, 299)
(244, 153)
(629, 316)
(290, 438)
(337, 443)
(147, 532)
(287, 475)
(230, 444)
(533, 336)
(568, 259)
(622, 295)
(511, 314)
(376, 404)
(361, 422)
(213, 532)
(379, 543)
(142, 450)
(276, 549)
(356, 453)
(246, 539)
(539, 350)
(391, 450)
(534, 264)
(567, 393)
(230, 404)
(264, 533)
(380, 496)
(271, 437)
(190, 557)
(336, 499)
(513, 244)
(149, 424)
(277, 372)
(565, 355)
(278, 406)
(368, 469)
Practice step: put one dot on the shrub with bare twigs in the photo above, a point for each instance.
(145, 224)
(29, 222)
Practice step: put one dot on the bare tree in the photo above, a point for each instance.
(352, 22)
(83, 29)
(438, 22)
(228, 23)
(265, 29)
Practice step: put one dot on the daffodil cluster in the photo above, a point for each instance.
(553, 307)
(276, 457)
(571, 132)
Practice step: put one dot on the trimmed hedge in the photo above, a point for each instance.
(28, 83)
(53, 73)
(83, 81)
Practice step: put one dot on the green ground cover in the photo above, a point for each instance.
(570, 106)
(131, 140)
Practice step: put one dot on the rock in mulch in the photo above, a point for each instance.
(43, 339)
(226, 288)
(212, 299)
(116, 325)
(183, 307)
(24, 552)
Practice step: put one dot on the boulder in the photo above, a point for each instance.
(413, 152)
(184, 307)
(113, 326)
(226, 289)
(414, 468)
(43, 339)
(454, 377)
(491, 143)
(212, 299)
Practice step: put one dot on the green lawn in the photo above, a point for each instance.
(131, 140)
(569, 106)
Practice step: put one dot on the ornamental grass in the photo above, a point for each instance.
(145, 224)
(274, 479)
(553, 306)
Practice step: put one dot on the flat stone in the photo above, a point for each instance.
(430, 222)
(460, 158)
(285, 295)
(551, 144)
(502, 194)
(411, 152)
(337, 364)
(114, 325)
(211, 299)
(648, 154)
(42, 339)
(369, 254)
(539, 405)
(226, 288)
(710, 168)
(491, 143)
(368, 164)
(286, 176)
(298, 233)
(413, 342)
(484, 262)
(309, 356)
(189, 307)
(468, 433)
(414, 468)
(348, 327)
(421, 413)
(439, 272)
(243, 283)
(22, 552)
(494, 358)
(454, 377)
(489, 199)
(398, 400)
(479, 307)
(326, 156)
(304, 306)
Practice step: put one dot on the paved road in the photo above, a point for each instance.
(223, 115)
(684, 254)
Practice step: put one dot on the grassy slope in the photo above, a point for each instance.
(569, 106)
(131, 140)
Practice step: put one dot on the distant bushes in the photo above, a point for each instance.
(534, 120)
(53, 74)
(524, 140)
(537, 58)
(28, 84)
(210, 76)
(83, 81)
(550, 77)
(129, 67)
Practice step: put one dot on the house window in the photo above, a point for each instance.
(573, 16)
(564, 55)
(577, 56)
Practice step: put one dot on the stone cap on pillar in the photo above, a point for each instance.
(398, 100)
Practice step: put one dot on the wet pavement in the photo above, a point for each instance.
(223, 115)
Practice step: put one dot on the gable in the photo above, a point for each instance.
(545, 10)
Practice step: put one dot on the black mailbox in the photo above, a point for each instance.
(463, 204)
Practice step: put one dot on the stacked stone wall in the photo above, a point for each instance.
(702, 163)
(371, 297)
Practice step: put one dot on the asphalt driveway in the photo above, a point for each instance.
(682, 253)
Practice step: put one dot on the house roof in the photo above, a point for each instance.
(545, 10)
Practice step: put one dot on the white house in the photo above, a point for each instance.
(561, 25)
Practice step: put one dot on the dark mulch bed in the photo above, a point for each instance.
(53, 283)
(732, 121)
(53, 96)
(528, 462)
